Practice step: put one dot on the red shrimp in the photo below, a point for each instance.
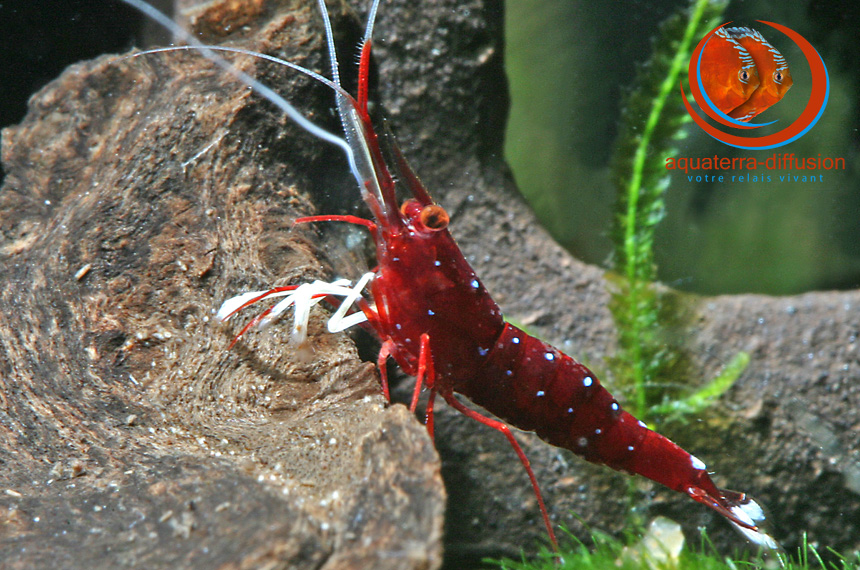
(439, 323)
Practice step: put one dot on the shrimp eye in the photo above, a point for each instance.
(434, 217)
(744, 75)
(777, 76)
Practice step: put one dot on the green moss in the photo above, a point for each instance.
(611, 554)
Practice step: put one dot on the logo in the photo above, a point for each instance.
(735, 74)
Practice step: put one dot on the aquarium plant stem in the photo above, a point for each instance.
(640, 271)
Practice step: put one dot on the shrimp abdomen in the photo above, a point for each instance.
(564, 403)
(536, 387)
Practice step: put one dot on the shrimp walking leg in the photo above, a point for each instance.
(506, 431)
(338, 218)
(425, 371)
(428, 413)
(382, 364)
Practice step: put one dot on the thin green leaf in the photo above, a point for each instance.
(705, 396)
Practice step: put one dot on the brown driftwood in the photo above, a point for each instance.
(141, 193)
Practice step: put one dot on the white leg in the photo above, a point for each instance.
(303, 298)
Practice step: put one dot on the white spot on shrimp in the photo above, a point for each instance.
(437, 263)
(483, 351)
(697, 463)
(430, 312)
(583, 441)
(549, 356)
(397, 326)
(509, 372)
(515, 340)
(570, 410)
(615, 407)
(629, 448)
(642, 424)
(598, 431)
(475, 284)
(587, 381)
(540, 393)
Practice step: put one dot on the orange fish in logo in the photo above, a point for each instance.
(728, 71)
(773, 73)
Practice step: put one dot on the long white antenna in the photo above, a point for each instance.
(371, 20)
(353, 127)
(312, 74)
(257, 86)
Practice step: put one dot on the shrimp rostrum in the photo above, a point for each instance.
(435, 318)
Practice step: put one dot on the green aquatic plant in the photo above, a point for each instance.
(607, 553)
(692, 404)
(652, 122)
